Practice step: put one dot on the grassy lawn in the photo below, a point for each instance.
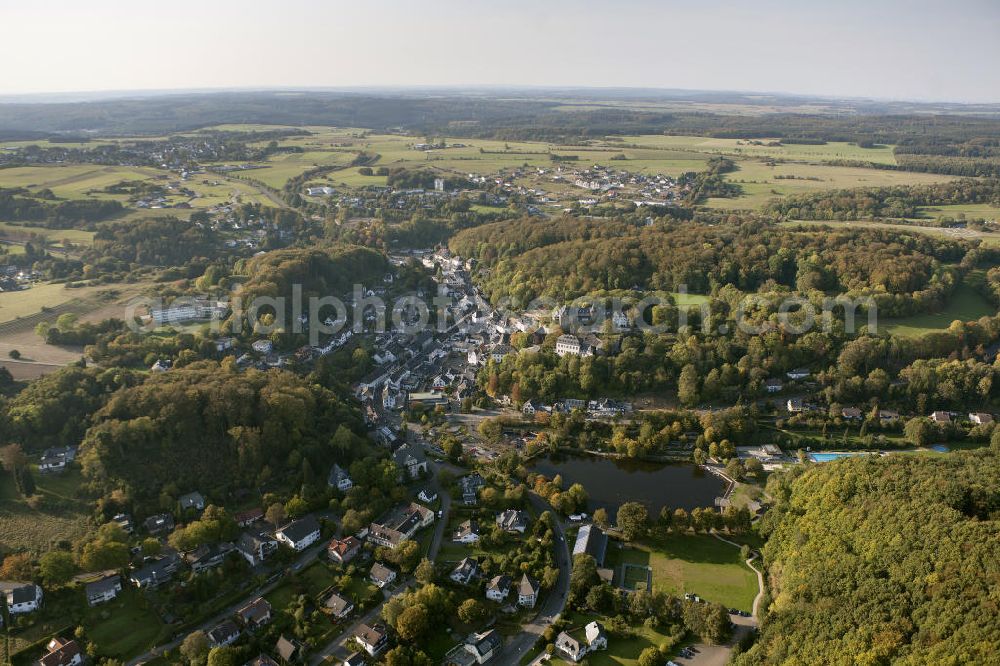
(965, 304)
(309, 581)
(621, 651)
(23, 232)
(16, 304)
(317, 576)
(962, 211)
(360, 590)
(744, 493)
(39, 529)
(689, 300)
(836, 436)
(126, 626)
(698, 564)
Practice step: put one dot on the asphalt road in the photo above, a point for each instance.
(442, 523)
(555, 600)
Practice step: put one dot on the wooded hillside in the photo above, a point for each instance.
(885, 560)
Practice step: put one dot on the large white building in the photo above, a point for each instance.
(300, 534)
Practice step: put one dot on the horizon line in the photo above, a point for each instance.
(93, 95)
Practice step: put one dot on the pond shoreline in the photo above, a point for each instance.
(612, 479)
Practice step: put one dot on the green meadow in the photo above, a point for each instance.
(965, 304)
(688, 563)
(762, 181)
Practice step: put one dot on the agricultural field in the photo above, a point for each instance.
(478, 156)
(741, 148)
(59, 516)
(12, 231)
(762, 181)
(962, 212)
(697, 564)
(79, 181)
(800, 168)
(20, 304)
(83, 181)
(989, 238)
(285, 166)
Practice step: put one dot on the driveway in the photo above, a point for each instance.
(337, 648)
(305, 558)
(718, 655)
(442, 523)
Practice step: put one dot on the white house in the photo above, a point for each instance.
(338, 606)
(498, 588)
(467, 532)
(466, 570)
(56, 459)
(223, 634)
(339, 479)
(941, 417)
(300, 534)
(620, 320)
(798, 373)
(103, 590)
(411, 459)
(576, 644)
(568, 344)
(381, 575)
(527, 592)
(255, 547)
(371, 639)
(24, 598)
(513, 520)
(477, 649)
(981, 418)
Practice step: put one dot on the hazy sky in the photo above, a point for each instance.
(880, 48)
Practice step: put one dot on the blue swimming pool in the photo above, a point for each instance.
(940, 448)
(827, 457)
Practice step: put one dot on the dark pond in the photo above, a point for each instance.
(611, 482)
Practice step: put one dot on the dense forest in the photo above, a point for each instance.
(565, 259)
(884, 560)
(180, 428)
(55, 410)
(156, 241)
(325, 271)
